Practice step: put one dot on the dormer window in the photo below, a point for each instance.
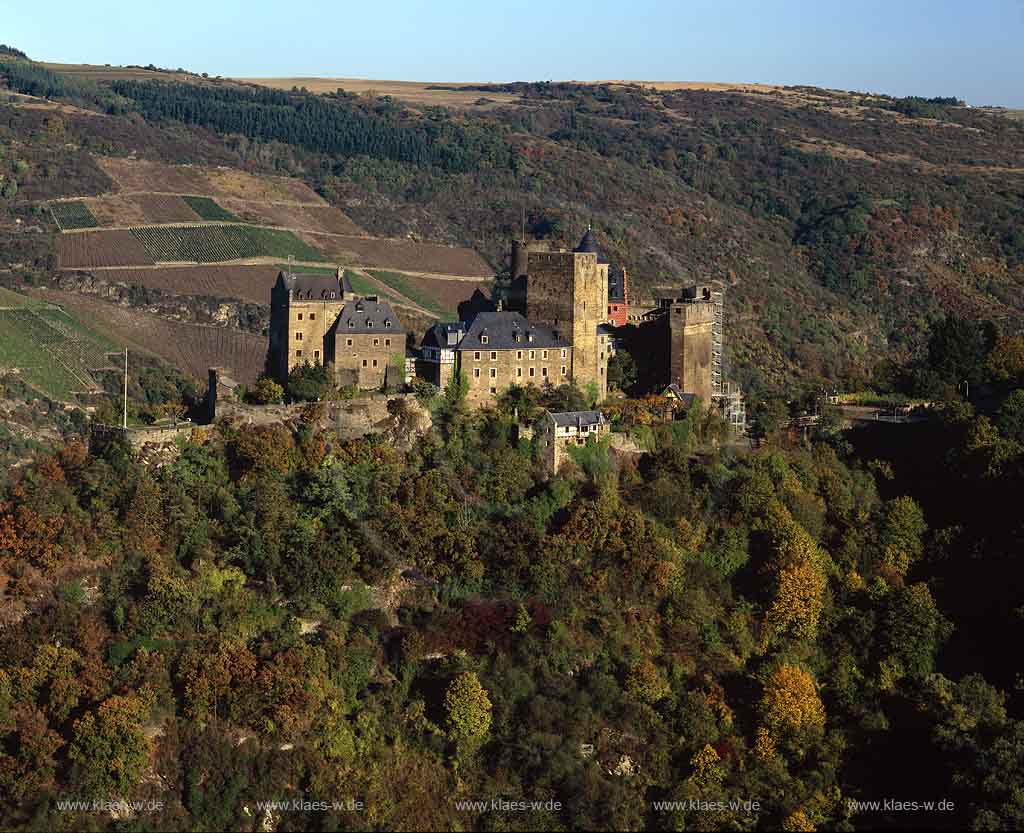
(516, 338)
(387, 322)
(369, 323)
(351, 323)
(483, 339)
(529, 337)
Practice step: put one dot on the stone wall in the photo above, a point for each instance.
(568, 291)
(512, 367)
(690, 326)
(363, 356)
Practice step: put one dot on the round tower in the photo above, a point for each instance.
(519, 259)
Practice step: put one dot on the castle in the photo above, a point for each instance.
(317, 319)
(564, 312)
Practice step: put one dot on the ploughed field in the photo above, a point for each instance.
(403, 255)
(194, 348)
(251, 284)
(101, 248)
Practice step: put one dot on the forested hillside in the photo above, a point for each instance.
(842, 224)
(402, 639)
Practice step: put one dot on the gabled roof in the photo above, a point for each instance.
(501, 330)
(566, 419)
(367, 316)
(675, 391)
(307, 286)
(437, 335)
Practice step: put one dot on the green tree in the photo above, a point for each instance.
(622, 370)
(467, 708)
(109, 749)
(902, 533)
(307, 383)
(267, 392)
(957, 349)
(1011, 416)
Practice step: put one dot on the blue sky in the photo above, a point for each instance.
(903, 47)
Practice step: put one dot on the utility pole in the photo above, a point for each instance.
(125, 388)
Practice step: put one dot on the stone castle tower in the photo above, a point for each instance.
(691, 320)
(303, 308)
(568, 292)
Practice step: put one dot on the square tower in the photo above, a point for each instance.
(568, 292)
(303, 307)
(691, 321)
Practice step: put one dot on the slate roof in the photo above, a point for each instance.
(565, 419)
(588, 244)
(686, 398)
(307, 286)
(501, 328)
(437, 335)
(367, 316)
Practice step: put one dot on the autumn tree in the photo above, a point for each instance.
(790, 705)
(467, 708)
(109, 749)
(267, 392)
(800, 578)
(645, 683)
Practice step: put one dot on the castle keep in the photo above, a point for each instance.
(691, 319)
(568, 292)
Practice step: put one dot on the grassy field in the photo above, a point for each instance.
(144, 176)
(209, 210)
(50, 350)
(400, 283)
(15, 300)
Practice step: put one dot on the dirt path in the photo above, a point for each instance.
(271, 261)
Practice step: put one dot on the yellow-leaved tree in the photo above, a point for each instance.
(800, 577)
(790, 707)
(467, 708)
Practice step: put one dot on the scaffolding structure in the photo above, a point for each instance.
(717, 328)
(727, 395)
